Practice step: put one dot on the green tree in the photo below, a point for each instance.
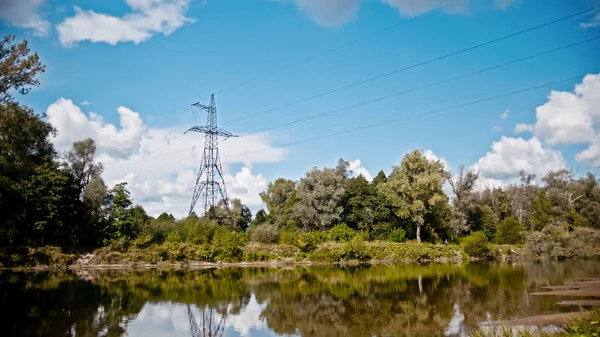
(19, 68)
(164, 216)
(415, 190)
(542, 212)
(379, 178)
(260, 218)
(358, 203)
(482, 218)
(80, 162)
(510, 231)
(320, 194)
(280, 199)
(121, 220)
(462, 184)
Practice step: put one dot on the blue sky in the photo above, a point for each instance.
(137, 65)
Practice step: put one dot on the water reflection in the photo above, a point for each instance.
(406, 300)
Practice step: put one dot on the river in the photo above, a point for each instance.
(379, 300)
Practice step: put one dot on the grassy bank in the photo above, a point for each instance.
(588, 325)
(353, 251)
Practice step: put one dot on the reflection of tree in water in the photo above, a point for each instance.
(399, 300)
(212, 324)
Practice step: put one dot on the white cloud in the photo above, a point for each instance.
(416, 7)
(571, 118)
(504, 115)
(248, 319)
(160, 165)
(594, 22)
(149, 17)
(86, 103)
(497, 128)
(433, 157)
(357, 169)
(24, 14)
(510, 155)
(504, 4)
(328, 13)
(73, 125)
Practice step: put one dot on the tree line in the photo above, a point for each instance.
(52, 198)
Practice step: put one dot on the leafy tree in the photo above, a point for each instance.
(462, 184)
(358, 203)
(280, 199)
(164, 216)
(319, 195)
(542, 212)
(80, 161)
(415, 189)
(475, 245)
(482, 218)
(18, 68)
(121, 220)
(510, 231)
(379, 178)
(260, 218)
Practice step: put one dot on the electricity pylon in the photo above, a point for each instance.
(209, 182)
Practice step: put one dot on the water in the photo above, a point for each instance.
(396, 300)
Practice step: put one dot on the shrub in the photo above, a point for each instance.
(556, 242)
(340, 233)
(307, 242)
(264, 233)
(475, 245)
(510, 232)
(227, 246)
(142, 241)
(328, 252)
(397, 235)
(289, 237)
(355, 249)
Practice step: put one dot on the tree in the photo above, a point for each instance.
(509, 232)
(415, 189)
(18, 68)
(260, 218)
(462, 184)
(235, 216)
(379, 178)
(280, 199)
(542, 212)
(164, 216)
(80, 161)
(319, 195)
(121, 220)
(482, 219)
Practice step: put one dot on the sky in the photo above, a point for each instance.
(496, 85)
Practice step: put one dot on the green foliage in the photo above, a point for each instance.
(575, 219)
(475, 245)
(340, 233)
(509, 232)
(19, 68)
(392, 251)
(307, 242)
(397, 235)
(264, 233)
(557, 242)
(289, 236)
(415, 190)
(482, 218)
(355, 249)
(542, 212)
(227, 246)
(164, 216)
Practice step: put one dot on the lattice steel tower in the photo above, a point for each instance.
(210, 166)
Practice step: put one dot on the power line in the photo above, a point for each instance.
(332, 50)
(578, 103)
(427, 85)
(395, 120)
(412, 66)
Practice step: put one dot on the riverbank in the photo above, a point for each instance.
(186, 255)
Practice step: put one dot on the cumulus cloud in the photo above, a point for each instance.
(149, 17)
(433, 157)
(24, 14)
(571, 118)
(160, 164)
(510, 155)
(357, 170)
(332, 13)
(74, 125)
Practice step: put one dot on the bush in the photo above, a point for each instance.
(475, 245)
(307, 242)
(397, 235)
(340, 233)
(392, 251)
(509, 232)
(355, 249)
(227, 246)
(556, 242)
(289, 237)
(264, 233)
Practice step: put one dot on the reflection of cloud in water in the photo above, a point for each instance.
(248, 318)
(171, 319)
(455, 326)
